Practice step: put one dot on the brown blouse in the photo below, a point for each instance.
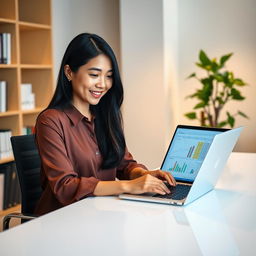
(71, 159)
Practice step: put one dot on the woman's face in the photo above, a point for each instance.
(92, 80)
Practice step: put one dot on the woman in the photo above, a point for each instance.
(80, 135)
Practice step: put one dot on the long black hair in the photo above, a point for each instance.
(108, 121)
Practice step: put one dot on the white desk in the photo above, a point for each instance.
(220, 223)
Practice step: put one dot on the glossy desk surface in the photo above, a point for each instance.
(223, 222)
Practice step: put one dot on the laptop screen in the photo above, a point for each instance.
(187, 151)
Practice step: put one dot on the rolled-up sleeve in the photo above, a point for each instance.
(126, 165)
(65, 183)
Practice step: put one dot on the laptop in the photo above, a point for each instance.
(195, 157)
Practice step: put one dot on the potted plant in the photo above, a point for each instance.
(219, 86)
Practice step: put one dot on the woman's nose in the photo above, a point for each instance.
(101, 83)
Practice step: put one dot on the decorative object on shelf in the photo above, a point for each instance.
(27, 97)
(218, 88)
(26, 130)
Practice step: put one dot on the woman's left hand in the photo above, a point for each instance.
(163, 175)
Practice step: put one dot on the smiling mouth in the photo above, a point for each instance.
(96, 94)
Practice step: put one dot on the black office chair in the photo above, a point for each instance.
(28, 165)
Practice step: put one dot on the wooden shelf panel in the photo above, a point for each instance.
(16, 208)
(8, 10)
(41, 80)
(32, 111)
(27, 26)
(11, 122)
(6, 160)
(9, 113)
(8, 66)
(35, 47)
(34, 66)
(42, 15)
(3, 20)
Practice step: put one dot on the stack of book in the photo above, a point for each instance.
(5, 143)
(28, 130)
(5, 48)
(27, 97)
(10, 194)
(3, 96)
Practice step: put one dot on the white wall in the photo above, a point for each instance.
(145, 109)
(72, 17)
(219, 27)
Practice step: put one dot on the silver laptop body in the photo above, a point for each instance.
(210, 155)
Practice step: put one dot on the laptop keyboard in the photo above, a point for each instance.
(177, 193)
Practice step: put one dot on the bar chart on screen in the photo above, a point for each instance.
(187, 152)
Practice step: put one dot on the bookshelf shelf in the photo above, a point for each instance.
(34, 66)
(9, 113)
(32, 26)
(2, 66)
(6, 160)
(32, 111)
(29, 24)
(2, 20)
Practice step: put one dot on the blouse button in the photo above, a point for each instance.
(97, 152)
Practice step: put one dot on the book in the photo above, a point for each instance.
(3, 96)
(5, 169)
(5, 143)
(5, 48)
(11, 188)
(1, 191)
(1, 49)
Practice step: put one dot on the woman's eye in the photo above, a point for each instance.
(93, 75)
(110, 76)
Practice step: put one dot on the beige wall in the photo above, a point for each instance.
(147, 107)
(219, 27)
(71, 17)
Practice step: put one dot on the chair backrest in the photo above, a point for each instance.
(28, 166)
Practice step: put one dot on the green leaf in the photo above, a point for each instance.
(192, 95)
(236, 95)
(199, 105)
(230, 120)
(220, 100)
(203, 67)
(239, 82)
(214, 66)
(242, 114)
(192, 75)
(205, 93)
(191, 115)
(222, 124)
(218, 77)
(205, 61)
(224, 58)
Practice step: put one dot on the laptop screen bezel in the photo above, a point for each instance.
(193, 128)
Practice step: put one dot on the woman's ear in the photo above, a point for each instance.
(68, 72)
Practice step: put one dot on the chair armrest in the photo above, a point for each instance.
(8, 217)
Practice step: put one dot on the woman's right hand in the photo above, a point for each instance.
(146, 183)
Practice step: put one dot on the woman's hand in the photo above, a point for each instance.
(150, 182)
(162, 175)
